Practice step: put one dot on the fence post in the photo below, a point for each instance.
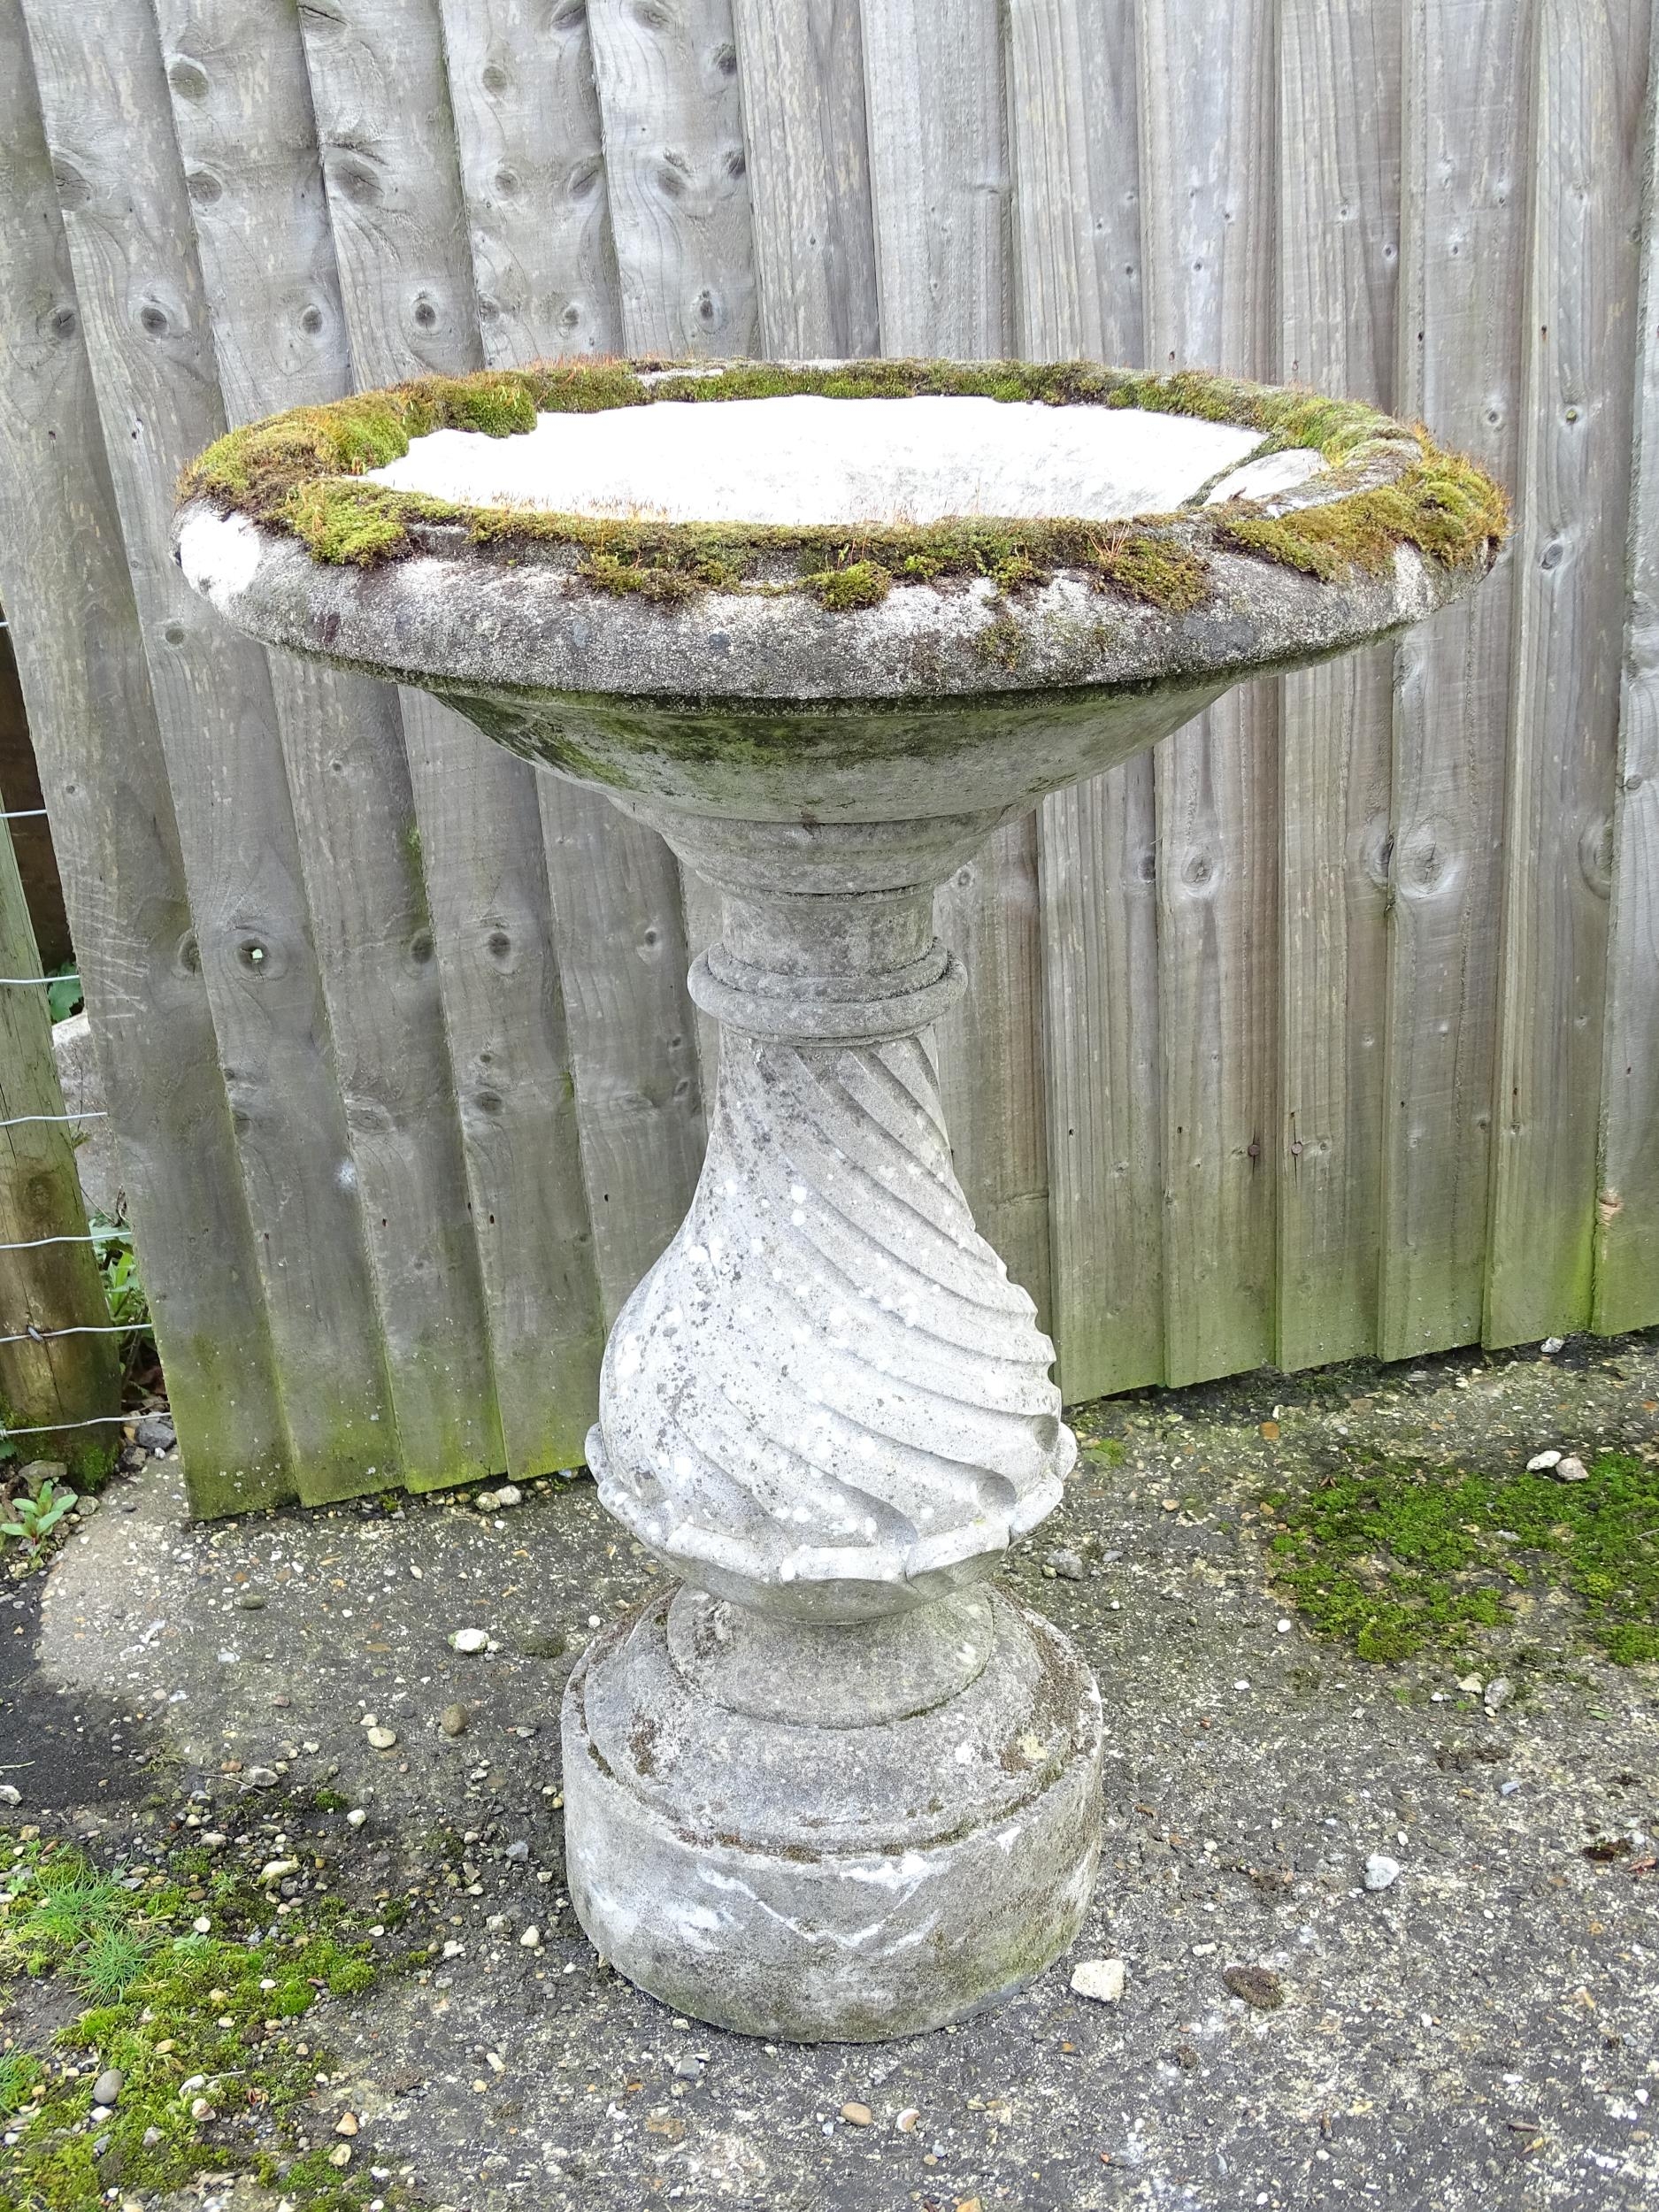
(51, 1285)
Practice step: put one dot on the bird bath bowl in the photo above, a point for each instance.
(825, 627)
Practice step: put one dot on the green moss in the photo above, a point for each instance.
(1443, 505)
(1398, 1560)
(1152, 568)
(169, 2003)
(301, 474)
(858, 584)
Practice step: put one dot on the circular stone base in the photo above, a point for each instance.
(810, 1882)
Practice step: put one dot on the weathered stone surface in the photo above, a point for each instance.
(836, 1788)
(819, 1883)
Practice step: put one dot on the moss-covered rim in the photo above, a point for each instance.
(301, 474)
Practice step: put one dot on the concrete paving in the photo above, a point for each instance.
(1480, 2033)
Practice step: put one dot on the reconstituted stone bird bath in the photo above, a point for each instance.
(825, 627)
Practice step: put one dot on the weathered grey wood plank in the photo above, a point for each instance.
(614, 890)
(80, 657)
(1208, 151)
(801, 78)
(939, 177)
(377, 78)
(676, 171)
(935, 105)
(623, 957)
(1071, 95)
(49, 1276)
(241, 115)
(1580, 303)
(1465, 162)
(1073, 143)
(1627, 1207)
(526, 126)
(131, 239)
(1339, 259)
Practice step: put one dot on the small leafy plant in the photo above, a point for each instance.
(33, 1518)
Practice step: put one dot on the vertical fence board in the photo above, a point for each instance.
(526, 126)
(1207, 139)
(80, 657)
(1627, 1206)
(480, 811)
(936, 110)
(1464, 166)
(131, 239)
(1339, 138)
(676, 171)
(1580, 325)
(1077, 258)
(801, 77)
(613, 886)
(241, 119)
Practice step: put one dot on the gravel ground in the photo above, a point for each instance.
(1480, 2033)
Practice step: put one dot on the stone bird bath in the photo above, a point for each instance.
(825, 627)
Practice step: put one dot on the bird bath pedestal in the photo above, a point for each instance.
(826, 628)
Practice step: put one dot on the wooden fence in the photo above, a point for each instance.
(1330, 1029)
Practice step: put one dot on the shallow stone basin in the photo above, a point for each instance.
(826, 626)
(904, 672)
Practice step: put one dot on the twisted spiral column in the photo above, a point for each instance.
(840, 1786)
(827, 1398)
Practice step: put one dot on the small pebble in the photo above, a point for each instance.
(1508, 1789)
(108, 2087)
(341, 2155)
(1552, 1345)
(251, 1601)
(509, 1495)
(908, 2120)
(273, 1870)
(1067, 1564)
(355, 1817)
(1498, 1694)
(857, 2115)
(469, 1639)
(346, 2124)
(1102, 1980)
(9, 1793)
(687, 2070)
(518, 1849)
(1381, 1870)
(1572, 1470)
(152, 2136)
(452, 1720)
(1541, 1463)
(260, 1778)
(380, 1739)
(485, 1502)
(530, 1938)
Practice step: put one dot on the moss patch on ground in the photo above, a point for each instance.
(301, 473)
(186, 1980)
(1397, 1559)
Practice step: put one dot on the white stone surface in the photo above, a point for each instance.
(1260, 479)
(1102, 1980)
(805, 460)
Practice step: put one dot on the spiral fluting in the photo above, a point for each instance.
(827, 1395)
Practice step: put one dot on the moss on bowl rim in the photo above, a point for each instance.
(304, 474)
